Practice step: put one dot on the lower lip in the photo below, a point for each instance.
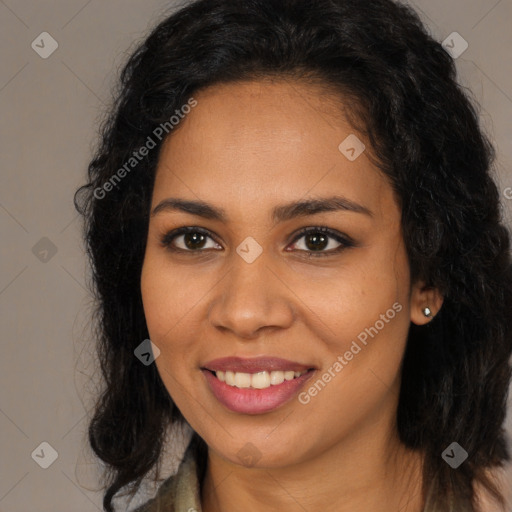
(251, 400)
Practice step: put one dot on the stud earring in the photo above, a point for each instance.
(427, 312)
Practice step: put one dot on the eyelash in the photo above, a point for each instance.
(345, 241)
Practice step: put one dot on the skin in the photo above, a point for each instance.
(246, 148)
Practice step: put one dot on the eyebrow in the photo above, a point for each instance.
(280, 213)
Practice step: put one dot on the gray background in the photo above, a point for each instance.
(50, 112)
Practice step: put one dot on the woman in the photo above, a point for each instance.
(294, 202)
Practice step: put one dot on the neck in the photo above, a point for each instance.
(360, 474)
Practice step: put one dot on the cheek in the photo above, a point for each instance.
(362, 314)
(377, 321)
(169, 296)
(167, 300)
(344, 302)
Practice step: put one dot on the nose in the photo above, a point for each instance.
(251, 298)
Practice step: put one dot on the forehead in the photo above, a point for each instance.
(262, 143)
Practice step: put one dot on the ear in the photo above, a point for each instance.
(422, 297)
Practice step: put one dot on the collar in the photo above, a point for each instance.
(180, 492)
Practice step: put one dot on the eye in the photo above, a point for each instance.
(191, 239)
(317, 239)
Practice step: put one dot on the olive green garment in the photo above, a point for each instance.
(180, 492)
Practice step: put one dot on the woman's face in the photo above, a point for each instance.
(245, 283)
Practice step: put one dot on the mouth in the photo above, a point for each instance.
(257, 385)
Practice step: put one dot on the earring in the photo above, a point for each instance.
(427, 312)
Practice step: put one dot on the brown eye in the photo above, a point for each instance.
(317, 240)
(188, 239)
(194, 240)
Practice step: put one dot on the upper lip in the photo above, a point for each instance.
(255, 364)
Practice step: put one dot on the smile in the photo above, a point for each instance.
(255, 385)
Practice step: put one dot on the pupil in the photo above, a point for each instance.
(318, 241)
(193, 240)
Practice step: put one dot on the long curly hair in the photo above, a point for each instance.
(424, 129)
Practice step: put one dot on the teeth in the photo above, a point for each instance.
(242, 380)
(230, 378)
(260, 380)
(276, 378)
(289, 375)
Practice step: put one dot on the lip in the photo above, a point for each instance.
(255, 364)
(255, 401)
